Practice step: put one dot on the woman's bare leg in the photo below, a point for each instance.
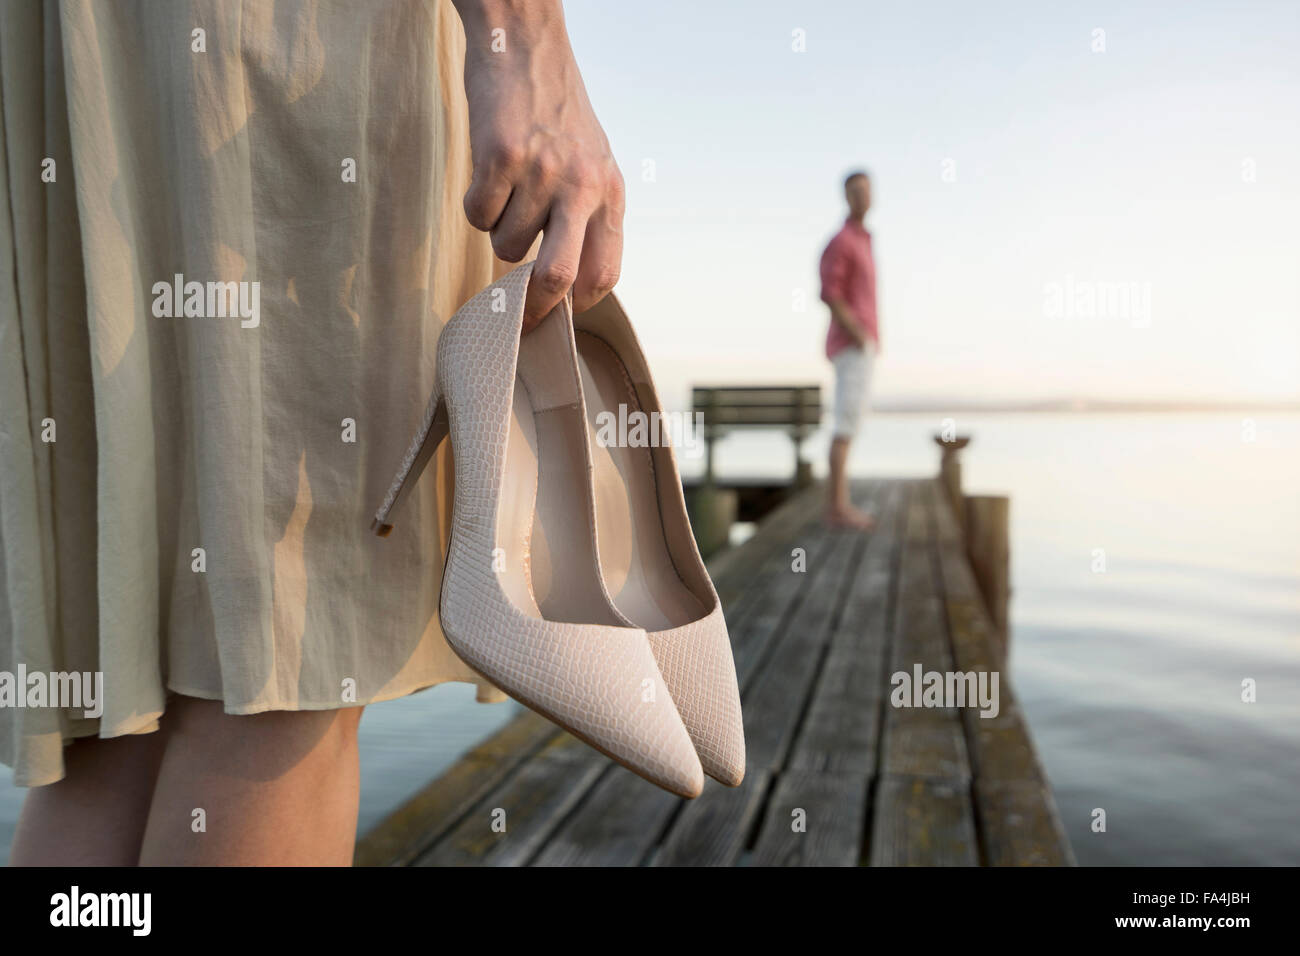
(95, 815)
(278, 788)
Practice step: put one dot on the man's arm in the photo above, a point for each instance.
(835, 278)
(841, 313)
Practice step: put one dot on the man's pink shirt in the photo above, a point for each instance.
(848, 273)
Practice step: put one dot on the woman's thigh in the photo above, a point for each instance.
(277, 788)
(95, 815)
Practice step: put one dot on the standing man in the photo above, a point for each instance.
(848, 276)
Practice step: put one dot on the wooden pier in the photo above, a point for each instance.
(836, 776)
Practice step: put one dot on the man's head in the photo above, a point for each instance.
(857, 190)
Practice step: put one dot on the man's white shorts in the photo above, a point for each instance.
(852, 387)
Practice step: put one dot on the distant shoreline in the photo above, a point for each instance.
(1080, 407)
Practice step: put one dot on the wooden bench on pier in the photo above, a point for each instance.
(794, 409)
(718, 410)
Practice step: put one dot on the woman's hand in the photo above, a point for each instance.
(541, 160)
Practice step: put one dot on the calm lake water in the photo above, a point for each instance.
(1131, 677)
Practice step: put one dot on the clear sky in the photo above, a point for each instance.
(1017, 175)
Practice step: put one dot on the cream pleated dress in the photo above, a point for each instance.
(185, 499)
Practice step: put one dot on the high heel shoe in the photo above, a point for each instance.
(523, 602)
(648, 554)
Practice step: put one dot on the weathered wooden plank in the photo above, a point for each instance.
(775, 543)
(777, 601)
(531, 803)
(1021, 826)
(777, 697)
(783, 595)
(616, 825)
(920, 740)
(972, 635)
(711, 829)
(814, 819)
(1013, 800)
(973, 638)
(842, 729)
(921, 635)
(400, 837)
(920, 821)
(923, 811)
(958, 579)
(772, 705)
(931, 746)
(865, 617)
(1001, 748)
(947, 529)
(916, 523)
(1008, 773)
(842, 726)
(734, 570)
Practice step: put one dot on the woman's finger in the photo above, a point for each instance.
(557, 261)
(490, 186)
(602, 257)
(524, 216)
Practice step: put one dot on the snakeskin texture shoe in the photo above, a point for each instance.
(523, 600)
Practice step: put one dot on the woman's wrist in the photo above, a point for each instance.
(542, 164)
(520, 23)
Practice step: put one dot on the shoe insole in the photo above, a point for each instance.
(543, 524)
(634, 556)
(513, 560)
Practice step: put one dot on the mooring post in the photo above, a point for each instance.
(950, 473)
(985, 522)
(988, 546)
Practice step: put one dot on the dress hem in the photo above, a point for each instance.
(150, 722)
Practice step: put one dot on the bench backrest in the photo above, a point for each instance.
(795, 407)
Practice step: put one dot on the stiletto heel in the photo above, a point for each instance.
(523, 602)
(426, 442)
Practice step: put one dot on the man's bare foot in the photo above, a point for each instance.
(851, 518)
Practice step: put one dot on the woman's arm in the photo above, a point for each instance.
(541, 159)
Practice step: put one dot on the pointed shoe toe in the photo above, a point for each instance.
(601, 683)
(697, 665)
